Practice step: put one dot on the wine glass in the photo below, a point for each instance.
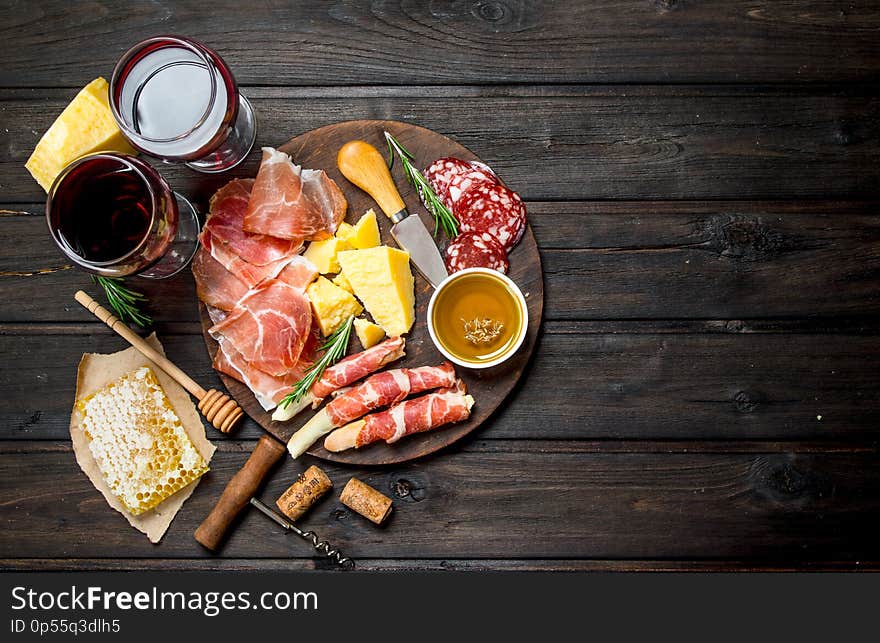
(177, 100)
(114, 215)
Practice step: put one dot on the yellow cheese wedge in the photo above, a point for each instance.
(331, 304)
(342, 281)
(323, 254)
(85, 126)
(382, 280)
(363, 234)
(368, 333)
(344, 231)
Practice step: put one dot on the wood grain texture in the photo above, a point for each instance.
(602, 260)
(273, 565)
(521, 504)
(490, 387)
(577, 143)
(460, 41)
(584, 383)
(703, 181)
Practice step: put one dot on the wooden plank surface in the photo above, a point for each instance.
(580, 385)
(703, 180)
(455, 42)
(520, 504)
(635, 260)
(575, 143)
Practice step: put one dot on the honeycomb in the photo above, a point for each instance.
(138, 442)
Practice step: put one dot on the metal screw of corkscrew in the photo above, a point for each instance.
(322, 547)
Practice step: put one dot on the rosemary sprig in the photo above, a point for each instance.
(443, 218)
(334, 348)
(123, 300)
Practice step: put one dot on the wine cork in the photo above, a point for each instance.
(365, 500)
(302, 494)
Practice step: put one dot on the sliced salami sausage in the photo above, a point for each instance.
(492, 208)
(441, 172)
(476, 250)
(464, 180)
(449, 177)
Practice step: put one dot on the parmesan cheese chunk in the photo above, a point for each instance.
(138, 442)
(382, 280)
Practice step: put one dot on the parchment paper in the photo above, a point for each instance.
(97, 370)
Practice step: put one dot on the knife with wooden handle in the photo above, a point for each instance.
(363, 165)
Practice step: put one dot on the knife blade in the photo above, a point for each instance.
(363, 165)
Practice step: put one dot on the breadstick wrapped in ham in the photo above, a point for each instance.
(410, 416)
(379, 390)
(354, 367)
(344, 373)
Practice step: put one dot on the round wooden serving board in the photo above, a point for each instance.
(317, 149)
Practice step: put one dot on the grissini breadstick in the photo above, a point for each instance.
(379, 390)
(410, 416)
(345, 372)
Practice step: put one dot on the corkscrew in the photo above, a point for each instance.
(321, 546)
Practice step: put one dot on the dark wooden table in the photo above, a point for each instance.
(703, 181)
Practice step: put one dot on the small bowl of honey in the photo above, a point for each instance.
(477, 318)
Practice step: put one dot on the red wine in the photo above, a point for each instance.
(104, 211)
(112, 214)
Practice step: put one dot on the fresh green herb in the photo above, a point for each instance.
(333, 348)
(443, 218)
(124, 301)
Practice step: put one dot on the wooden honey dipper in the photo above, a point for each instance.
(220, 410)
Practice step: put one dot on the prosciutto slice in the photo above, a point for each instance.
(354, 367)
(215, 285)
(405, 418)
(292, 203)
(269, 326)
(227, 237)
(386, 388)
(268, 389)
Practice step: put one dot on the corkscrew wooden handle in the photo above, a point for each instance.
(218, 408)
(239, 491)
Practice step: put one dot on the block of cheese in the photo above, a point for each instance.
(138, 442)
(382, 280)
(368, 333)
(85, 126)
(342, 281)
(363, 234)
(331, 304)
(323, 254)
(344, 231)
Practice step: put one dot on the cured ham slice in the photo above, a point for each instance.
(299, 272)
(410, 416)
(292, 203)
(355, 367)
(251, 274)
(215, 285)
(227, 238)
(374, 392)
(268, 389)
(268, 326)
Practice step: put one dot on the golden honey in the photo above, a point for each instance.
(477, 318)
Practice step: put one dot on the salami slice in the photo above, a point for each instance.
(492, 208)
(449, 177)
(476, 250)
(463, 181)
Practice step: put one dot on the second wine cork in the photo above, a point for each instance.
(302, 494)
(365, 500)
